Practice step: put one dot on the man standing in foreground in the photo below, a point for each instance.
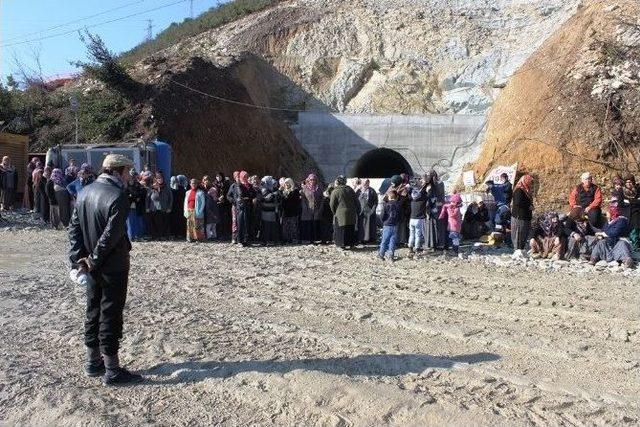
(100, 247)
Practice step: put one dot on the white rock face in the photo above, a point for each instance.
(389, 56)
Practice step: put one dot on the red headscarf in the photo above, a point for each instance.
(614, 211)
(244, 178)
(308, 185)
(525, 182)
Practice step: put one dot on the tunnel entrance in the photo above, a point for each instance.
(381, 163)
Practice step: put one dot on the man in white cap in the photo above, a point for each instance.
(100, 247)
(588, 196)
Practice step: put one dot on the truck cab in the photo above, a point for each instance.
(154, 156)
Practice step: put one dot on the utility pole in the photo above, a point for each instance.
(73, 100)
(191, 8)
(149, 29)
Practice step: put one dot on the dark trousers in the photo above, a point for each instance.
(158, 223)
(105, 302)
(595, 217)
(243, 219)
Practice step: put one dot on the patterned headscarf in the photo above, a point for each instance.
(341, 180)
(57, 176)
(173, 183)
(614, 211)
(525, 182)
(547, 223)
(308, 185)
(291, 186)
(86, 168)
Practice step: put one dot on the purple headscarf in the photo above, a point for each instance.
(57, 176)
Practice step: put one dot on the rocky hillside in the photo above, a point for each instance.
(574, 105)
(388, 56)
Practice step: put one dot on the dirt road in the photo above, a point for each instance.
(314, 336)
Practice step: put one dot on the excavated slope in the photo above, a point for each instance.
(574, 105)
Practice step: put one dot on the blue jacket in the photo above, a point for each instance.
(391, 213)
(616, 229)
(200, 204)
(76, 185)
(502, 193)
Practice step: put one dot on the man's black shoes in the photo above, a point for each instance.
(94, 369)
(120, 376)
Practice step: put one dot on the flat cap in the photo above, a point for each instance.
(116, 161)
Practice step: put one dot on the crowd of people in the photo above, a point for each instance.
(415, 213)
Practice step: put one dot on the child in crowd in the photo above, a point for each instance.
(390, 221)
(451, 211)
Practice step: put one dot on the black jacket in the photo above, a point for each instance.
(98, 226)
(522, 205)
(419, 204)
(291, 206)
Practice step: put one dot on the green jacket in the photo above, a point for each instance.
(344, 205)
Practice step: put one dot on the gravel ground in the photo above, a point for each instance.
(315, 336)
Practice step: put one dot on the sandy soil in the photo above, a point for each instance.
(313, 336)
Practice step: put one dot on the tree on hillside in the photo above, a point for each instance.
(105, 67)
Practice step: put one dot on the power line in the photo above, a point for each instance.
(231, 101)
(74, 21)
(94, 25)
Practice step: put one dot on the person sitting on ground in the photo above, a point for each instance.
(451, 212)
(588, 196)
(390, 222)
(611, 246)
(194, 207)
(579, 233)
(630, 207)
(476, 220)
(548, 237)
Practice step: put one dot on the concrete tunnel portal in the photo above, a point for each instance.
(381, 163)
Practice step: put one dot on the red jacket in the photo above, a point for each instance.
(597, 198)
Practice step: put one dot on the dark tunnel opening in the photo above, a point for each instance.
(381, 163)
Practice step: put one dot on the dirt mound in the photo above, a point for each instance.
(574, 104)
(209, 135)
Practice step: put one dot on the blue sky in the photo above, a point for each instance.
(27, 20)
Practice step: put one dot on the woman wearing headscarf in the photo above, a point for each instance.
(432, 224)
(270, 211)
(194, 207)
(630, 207)
(137, 196)
(63, 198)
(328, 220)
(311, 216)
(8, 183)
(548, 239)
(54, 209)
(29, 194)
(579, 233)
(290, 212)
(159, 203)
(211, 214)
(243, 196)
(177, 223)
(438, 200)
(45, 207)
(35, 179)
(345, 207)
(234, 212)
(367, 220)
(610, 245)
(224, 207)
(521, 214)
(255, 222)
(71, 172)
